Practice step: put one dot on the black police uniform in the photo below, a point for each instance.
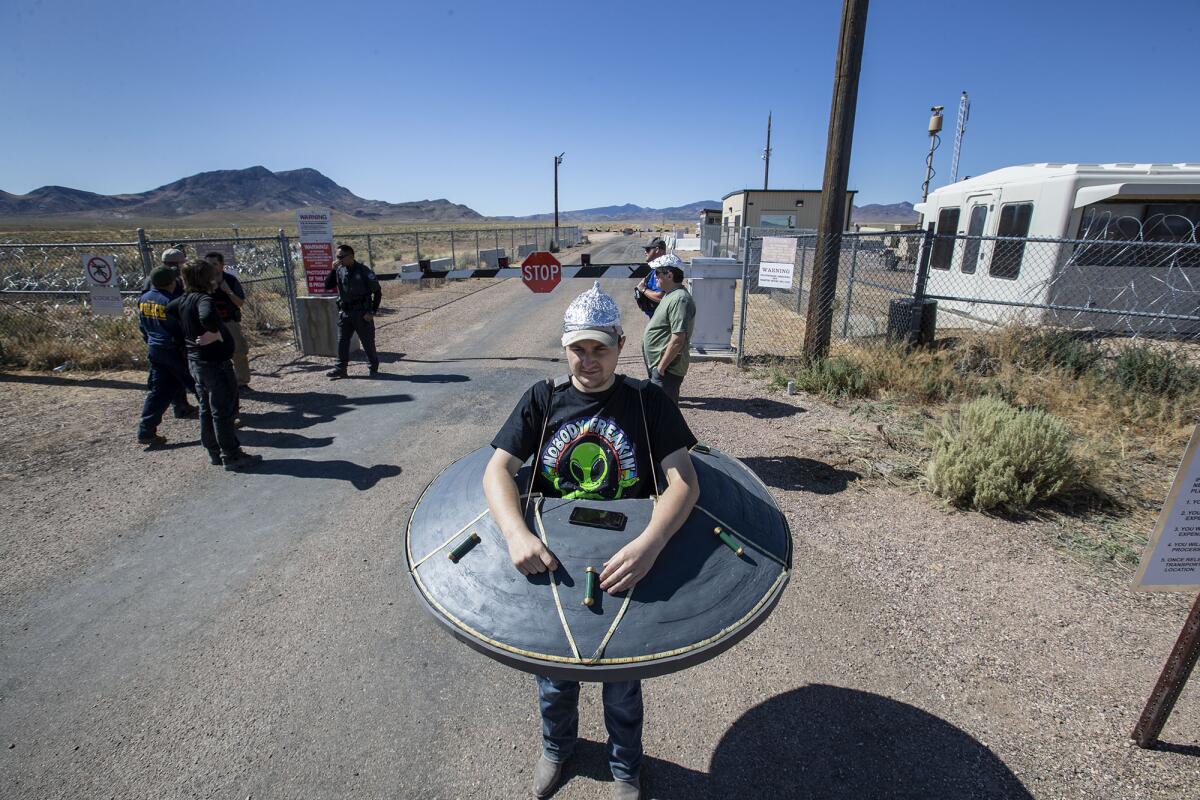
(358, 295)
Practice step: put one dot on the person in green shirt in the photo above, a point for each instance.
(665, 343)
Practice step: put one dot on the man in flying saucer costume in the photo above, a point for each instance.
(593, 435)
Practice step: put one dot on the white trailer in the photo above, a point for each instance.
(1152, 278)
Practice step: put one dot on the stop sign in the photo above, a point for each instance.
(541, 272)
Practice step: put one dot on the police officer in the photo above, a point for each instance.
(169, 376)
(173, 258)
(359, 297)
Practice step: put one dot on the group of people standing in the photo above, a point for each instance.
(672, 311)
(189, 314)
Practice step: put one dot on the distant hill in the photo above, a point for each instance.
(255, 190)
(626, 212)
(874, 212)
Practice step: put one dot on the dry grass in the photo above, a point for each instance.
(1130, 407)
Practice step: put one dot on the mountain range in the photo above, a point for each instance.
(256, 190)
(259, 191)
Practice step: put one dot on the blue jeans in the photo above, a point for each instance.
(559, 701)
(169, 381)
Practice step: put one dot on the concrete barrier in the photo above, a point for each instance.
(316, 323)
(491, 257)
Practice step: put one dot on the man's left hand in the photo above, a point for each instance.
(630, 564)
(369, 317)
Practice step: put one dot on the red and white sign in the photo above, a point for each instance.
(541, 272)
(315, 226)
(97, 270)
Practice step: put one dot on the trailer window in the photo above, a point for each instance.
(1007, 255)
(943, 244)
(971, 245)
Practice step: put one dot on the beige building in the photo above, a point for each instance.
(775, 208)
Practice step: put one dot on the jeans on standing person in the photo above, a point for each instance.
(351, 322)
(559, 701)
(669, 383)
(169, 380)
(216, 387)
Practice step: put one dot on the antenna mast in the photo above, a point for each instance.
(964, 111)
(767, 154)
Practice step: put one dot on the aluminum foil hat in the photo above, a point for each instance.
(592, 315)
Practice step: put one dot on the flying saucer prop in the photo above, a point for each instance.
(716, 580)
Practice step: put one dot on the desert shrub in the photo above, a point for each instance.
(1139, 368)
(1062, 349)
(835, 377)
(997, 458)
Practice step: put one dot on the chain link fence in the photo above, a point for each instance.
(1108, 287)
(464, 248)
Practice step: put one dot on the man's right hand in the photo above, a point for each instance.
(529, 555)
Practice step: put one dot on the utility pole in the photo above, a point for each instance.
(837, 171)
(557, 160)
(767, 154)
(935, 127)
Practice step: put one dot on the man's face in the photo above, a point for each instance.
(654, 252)
(593, 363)
(345, 258)
(665, 279)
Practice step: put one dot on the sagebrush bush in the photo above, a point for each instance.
(1062, 349)
(1140, 368)
(997, 458)
(836, 377)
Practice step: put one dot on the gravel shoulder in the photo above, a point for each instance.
(918, 652)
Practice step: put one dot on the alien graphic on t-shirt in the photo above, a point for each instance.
(592, 460)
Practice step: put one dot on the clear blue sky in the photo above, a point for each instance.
(655, 103)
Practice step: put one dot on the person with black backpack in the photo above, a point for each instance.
(210, 359)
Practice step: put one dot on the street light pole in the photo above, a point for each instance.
(557, 160)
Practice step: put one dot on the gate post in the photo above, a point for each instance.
(745, 295)
(289, 283)
(417, 235)
(144, 249)
(370, 255)
(453, 255)
(850, 286)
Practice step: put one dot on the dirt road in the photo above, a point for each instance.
(170, 630)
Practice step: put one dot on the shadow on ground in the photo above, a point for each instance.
(362, 478)
(87, 383)
(757, 407)
(305, 409)
(793, 473)
(828, 742)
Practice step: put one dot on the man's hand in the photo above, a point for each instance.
(208, 337)
(369, 317)
(529, 555)
(630, 564)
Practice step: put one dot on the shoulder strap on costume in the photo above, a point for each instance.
(560, 382)
(638, 387)
(551, 384)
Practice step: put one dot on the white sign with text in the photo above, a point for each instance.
(1171, 561)
(777, 263)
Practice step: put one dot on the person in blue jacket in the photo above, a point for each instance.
(169, 376)
(648, 294)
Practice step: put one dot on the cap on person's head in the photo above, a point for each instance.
(173, 255)
(162, 277)
(670, 262)
(592, 315)
(656, 242)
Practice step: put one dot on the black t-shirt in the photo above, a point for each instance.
(225, 307)
(595, 444)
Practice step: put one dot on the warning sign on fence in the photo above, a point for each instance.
(100, 274)
(315, 229)
(777, 263)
